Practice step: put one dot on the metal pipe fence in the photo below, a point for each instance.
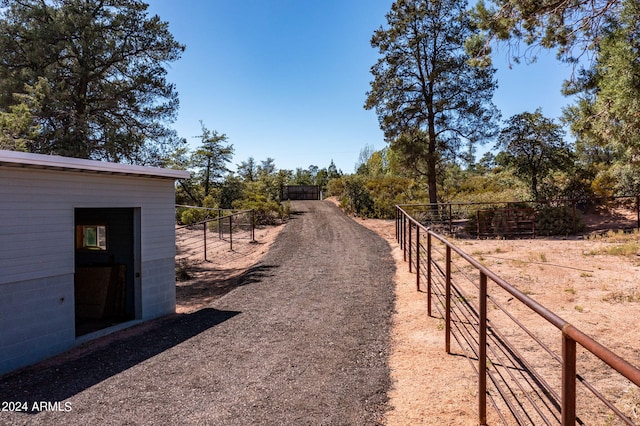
(499, 344)
(511, 218)
(197, 241)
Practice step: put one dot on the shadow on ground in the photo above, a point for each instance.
(210, 284)
(63, 376)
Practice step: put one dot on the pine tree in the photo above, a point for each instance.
(103, 64)
(429, 99)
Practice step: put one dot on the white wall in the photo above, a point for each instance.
(37, 253)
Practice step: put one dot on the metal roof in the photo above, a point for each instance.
(55, 162)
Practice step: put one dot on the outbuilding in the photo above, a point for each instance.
(86, 248)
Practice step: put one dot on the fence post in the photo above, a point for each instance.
(638, 209)
(404, 235)
(253, 225)
(482, 352)
(230, 233)
(205, 240)
(447, 297)
(428, 273)
(568, 380)
(417, 258)
(450, 219)
(410, 247)
(399, 228)
(397, 215)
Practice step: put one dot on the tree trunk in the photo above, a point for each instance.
(432, 177)
(207, 176)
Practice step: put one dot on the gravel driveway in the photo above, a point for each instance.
(303, 341)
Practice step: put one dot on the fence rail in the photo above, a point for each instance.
(510, 218)
(521, 390)
(197, 240)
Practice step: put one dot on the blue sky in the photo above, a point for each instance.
(287, 79)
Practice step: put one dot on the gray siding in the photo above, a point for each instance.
(37, 253)
(158, 288)
(36, 217)
(36, 319)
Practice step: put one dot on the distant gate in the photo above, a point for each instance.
(301, 192)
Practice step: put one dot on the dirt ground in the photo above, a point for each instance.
(209, 280)
(589, 281)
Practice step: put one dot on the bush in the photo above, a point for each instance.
(373, 197)
(558, 221)
(490, 187)
(191, 216)
(356, 198)
(627, 178)
(266, 212)
(388, 191)
(335, 187)
(572, 185)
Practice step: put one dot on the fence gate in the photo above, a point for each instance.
(301, 192)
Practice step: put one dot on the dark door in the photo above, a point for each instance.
(104, 267)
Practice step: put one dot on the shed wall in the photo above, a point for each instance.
(37, 253)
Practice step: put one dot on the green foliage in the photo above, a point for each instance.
(210, 158)
(463, 186)
(566, 184)
(374, 197)
(231, 190)
(335, 187)
(533, 146)
(558, 221)
(104, 66)
(17, 126)
(387, 191)
(604, 184)
(191, 216)
(606, 116)
(565, 25)
(267, 212)
(356, 198)
(429, 100)
(258, 187)
(627, 178)
(248, 170)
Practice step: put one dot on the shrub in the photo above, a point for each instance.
(182, 270)
(604, 184)
(387, 191)
(335, 187)
(266, 212)
(558, 221)
(627, 178)
(356, 198)
(191, 216)
(487, 188)
(374, 197)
